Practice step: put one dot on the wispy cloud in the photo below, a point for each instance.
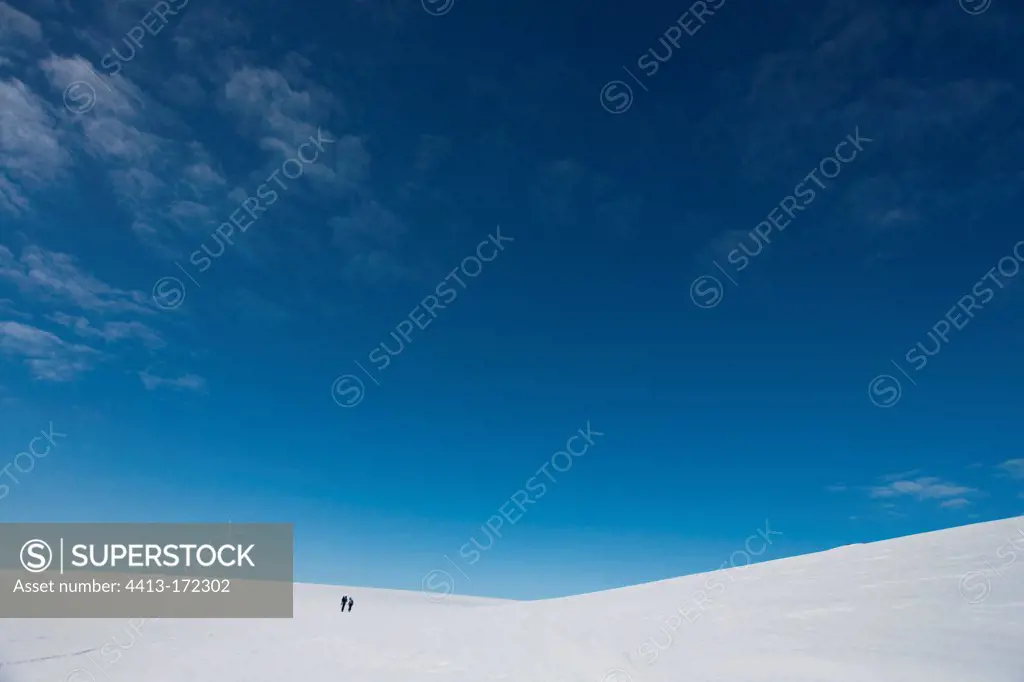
(281, 111)
(174, 190)
(564, 188)
(17, 29)
(857, 63)
(920, 489)
(889, 478)
(47, 356)
(370, 235)
(187, 382)
(8, 309)
(171, 187)
(32, 154)
(56, 277)
(110, 331)
(1014, 468)
(102, 314)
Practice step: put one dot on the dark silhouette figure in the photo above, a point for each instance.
(344, 601)
(350, 603)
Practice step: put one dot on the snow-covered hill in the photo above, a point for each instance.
(939, 607)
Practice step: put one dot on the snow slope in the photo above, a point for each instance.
(938, 607)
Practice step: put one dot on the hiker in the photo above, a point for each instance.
(350, 603)
(344, 600)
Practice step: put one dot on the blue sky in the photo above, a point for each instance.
(715, 233)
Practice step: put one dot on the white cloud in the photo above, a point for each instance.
(264, 95)
(350, 162)
(14, 22)
(900, 476)
(202, 177)
(115, 95)
(955, 503)
(114, 140)
(8, 309)
(53, 276)
(1013, 467)
(922, 488)
(138, 187)
(47, 356)
(17, 28)
(265, 102)
(368, 225)
(172, 189)
(31, 152)
(169, 186)
(110, 332)
(206, 34)
(375, 267)
(189, 382)
(285, 108)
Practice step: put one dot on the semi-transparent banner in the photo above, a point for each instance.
(146, 570)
